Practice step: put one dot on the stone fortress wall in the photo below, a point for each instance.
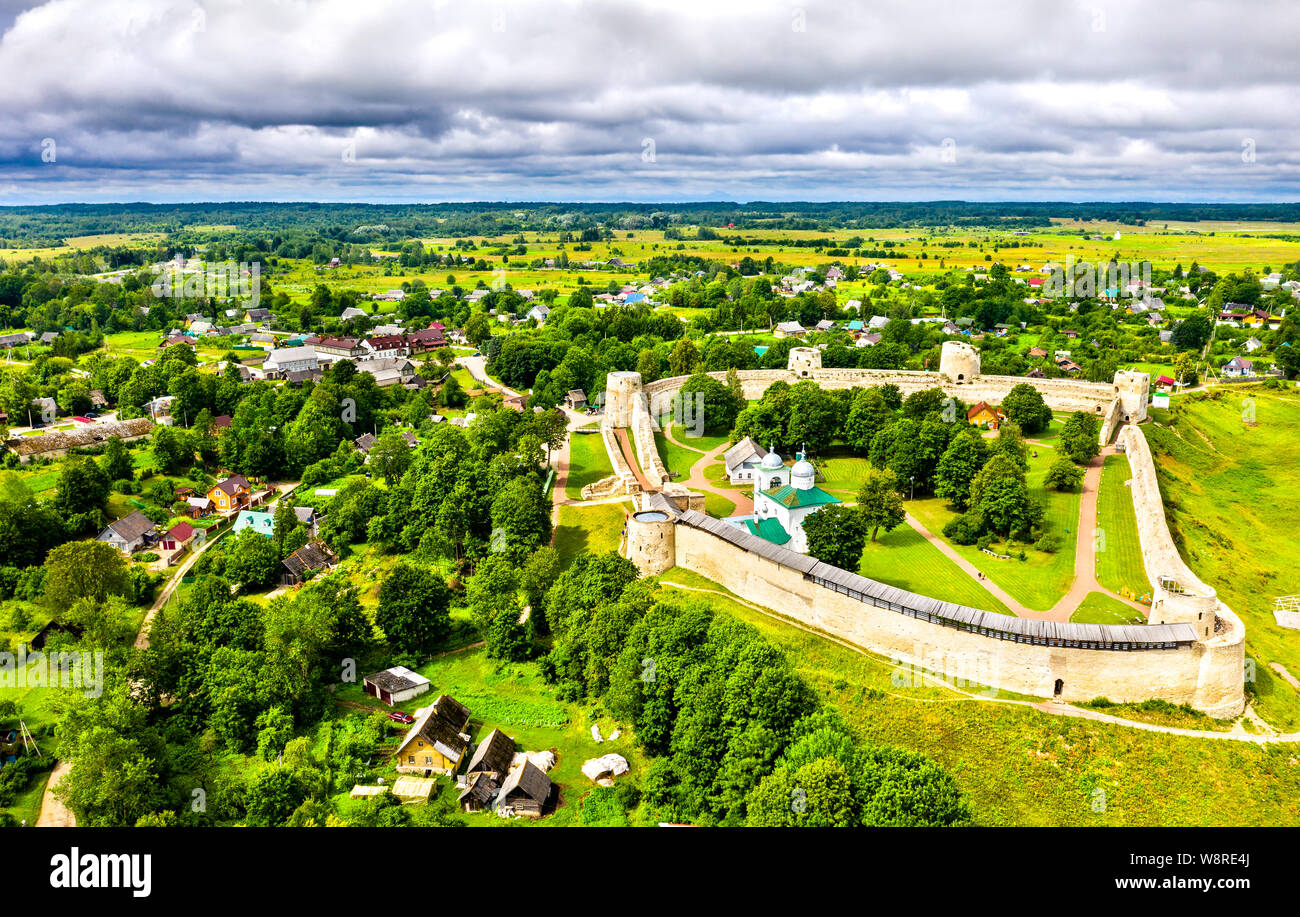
(1206, 675)
(644, 427)
(1205, 670)
(1124, 400)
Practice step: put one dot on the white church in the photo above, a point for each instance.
(783, 499)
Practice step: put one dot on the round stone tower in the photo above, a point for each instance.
(621, 388)
(960, 362)
(650, 541)
(804, 360)
(1133, 389)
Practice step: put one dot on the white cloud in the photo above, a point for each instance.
(448, 99)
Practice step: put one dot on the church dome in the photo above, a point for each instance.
(803, 475)
(771, 462)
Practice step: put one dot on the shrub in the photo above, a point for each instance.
(964, 529)
(1048, 544)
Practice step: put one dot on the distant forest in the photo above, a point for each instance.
(378, 223)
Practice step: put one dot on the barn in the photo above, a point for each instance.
(396, 685)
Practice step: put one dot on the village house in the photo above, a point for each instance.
(426, 339)
(984, 415)
(788, 329)
(386, 347)
(262, 523)
(395, 685)
(285, 360)
(576, 399)
(128, 534)
(312, 557)
(329, 350)
(395, 371)
(231, 494)
(488, 767)
(436, 742)
(1238, 368)
(539, 313)
(743, 460)
(526, 791)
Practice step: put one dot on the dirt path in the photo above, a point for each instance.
(54, 814)
(629, 455)
(1085, 552)
(697, 480)
(477, 367)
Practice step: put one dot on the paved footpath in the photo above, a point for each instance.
(1085, 558)
(697, 481)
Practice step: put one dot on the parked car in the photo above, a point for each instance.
(398, 716)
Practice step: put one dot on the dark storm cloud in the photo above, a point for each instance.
(660, 99)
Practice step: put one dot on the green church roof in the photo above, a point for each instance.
(768, 530)
(794, 497)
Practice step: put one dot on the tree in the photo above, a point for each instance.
(413, 609)
(1010, 443)
(708, 403)
(83, 570)
(1192, 332)
(251, 559)
(683, 358)
(818, 795)
(1080, 437)
(83, 487)
(390, 455)
(960, 462)
(999, 497)
(493, 598)
(274, 730)
(273, 796)
(117, 461)
(836, 535)
(1063, 474)
(521, 517)
(1024, 406)
(879, 502)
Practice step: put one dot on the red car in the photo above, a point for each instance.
(398, 716)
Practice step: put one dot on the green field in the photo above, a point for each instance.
(589, 528)
(1119, 551)
(1020, 766)
(1230, 494)
(1099, 608)
(588, 463)
(904, 559)
(517, 700)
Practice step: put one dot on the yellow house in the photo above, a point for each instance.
(231, 494)
(984, 414)
(437, 741)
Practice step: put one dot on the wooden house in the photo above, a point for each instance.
(526, 791)
(436, 743)
(231, 495)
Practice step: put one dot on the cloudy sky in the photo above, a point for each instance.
(600, 100)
